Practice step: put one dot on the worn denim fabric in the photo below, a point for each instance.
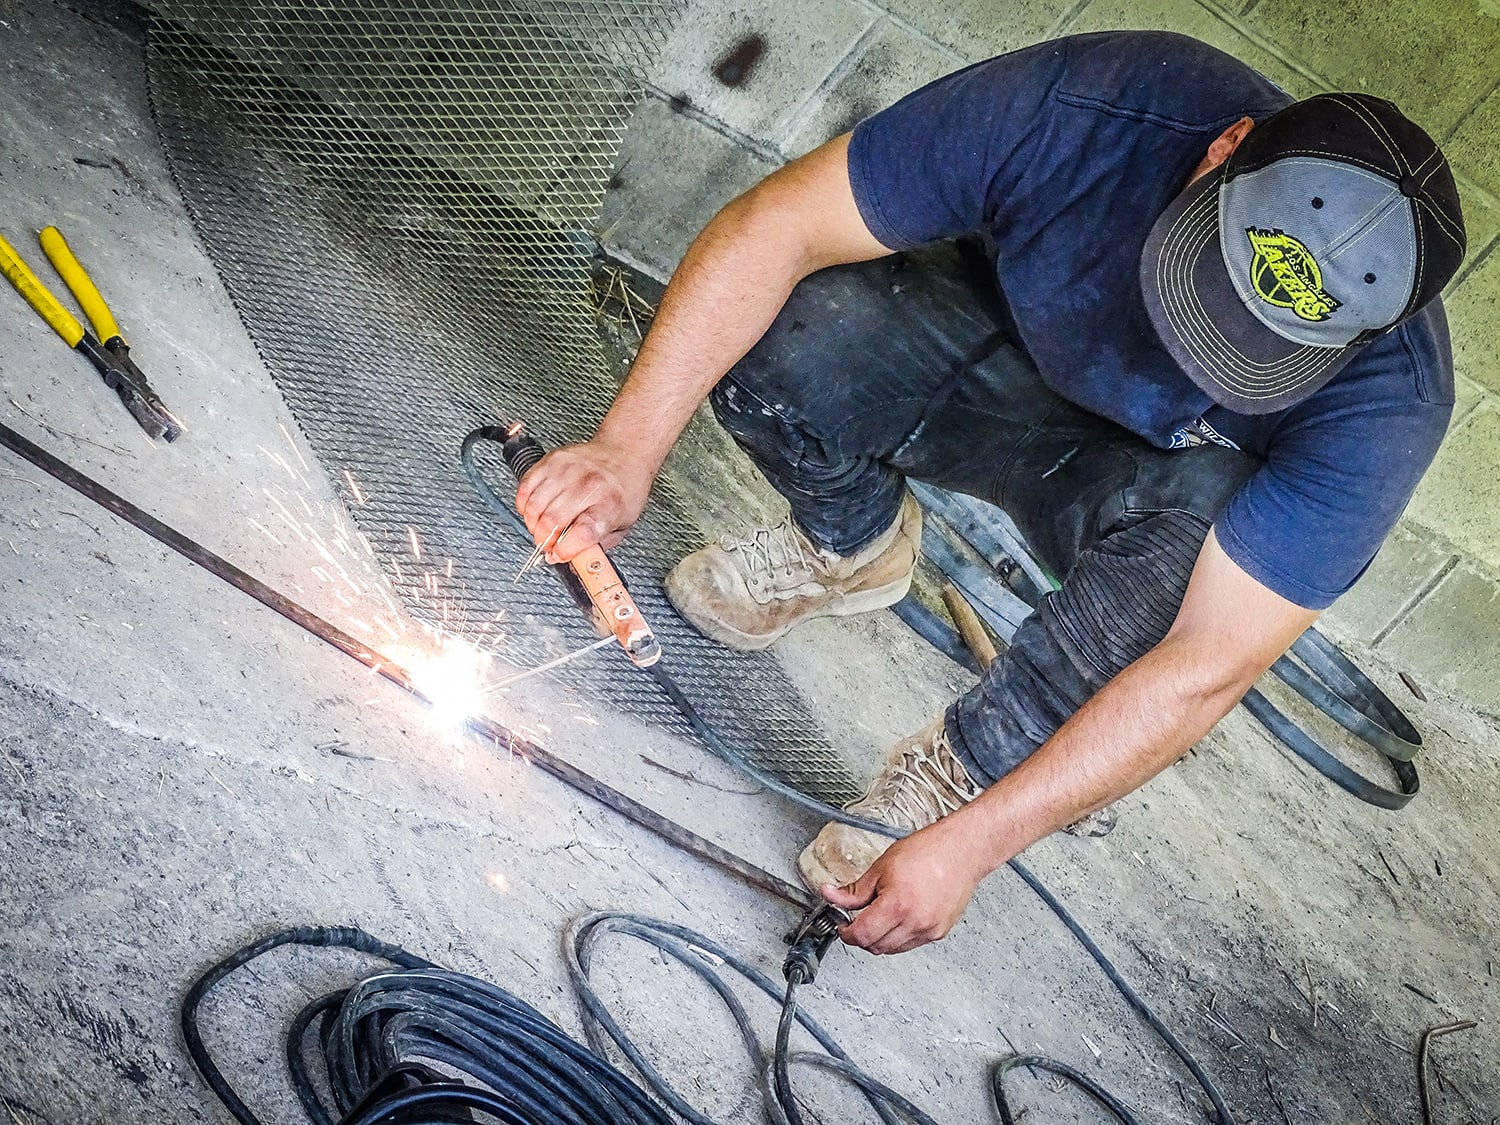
(909, 366)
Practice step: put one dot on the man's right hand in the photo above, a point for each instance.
(592, 490)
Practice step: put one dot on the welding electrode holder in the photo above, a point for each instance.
(811, 940)
(590, 577)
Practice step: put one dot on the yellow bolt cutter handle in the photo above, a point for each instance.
(60, 254)
(38, 296)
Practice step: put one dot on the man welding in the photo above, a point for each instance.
(1190, 340)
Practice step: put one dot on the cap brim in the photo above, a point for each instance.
(1237, 360)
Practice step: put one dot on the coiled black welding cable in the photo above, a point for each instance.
(379, 1038)
(382, 1042)
(320, 936)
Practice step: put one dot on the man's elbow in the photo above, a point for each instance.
(763, 225)
(1215, 672)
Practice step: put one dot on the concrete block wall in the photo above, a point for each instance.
(744, 86)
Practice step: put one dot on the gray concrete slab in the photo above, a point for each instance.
(1473, 312)
(673, 174)
(977, 29)
(894, 62)
(1407, 565)
(1470, 144)
(754, 65)
(1468, 396)
(1461, 491)
(1448, 641)
(1435, 60)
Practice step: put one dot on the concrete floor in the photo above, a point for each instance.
(168, 789)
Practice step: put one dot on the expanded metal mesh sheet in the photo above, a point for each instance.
(398, 198)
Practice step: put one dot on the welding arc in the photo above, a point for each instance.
(499, 735)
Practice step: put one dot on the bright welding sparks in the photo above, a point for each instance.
(266, 532)
(452, 680)
(301, 459)
(291, 472)
(416, 548)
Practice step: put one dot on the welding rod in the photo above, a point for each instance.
(669, 830)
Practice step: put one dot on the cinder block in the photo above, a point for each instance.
(978, 29)
(1481, 218)
(1191, 18)
(1461, 492)
(673, 174)
(753, 66)
(1472, 148)
(1449, 639)
(1408, 562)
(1473, 312)
(895, 63)
(1435, 60)
(1468, 396)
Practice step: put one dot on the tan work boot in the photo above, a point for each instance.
(747, 593)
(922, 780)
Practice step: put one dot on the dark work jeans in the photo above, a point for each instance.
(910, 367)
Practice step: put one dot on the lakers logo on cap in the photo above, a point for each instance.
(1285, 274)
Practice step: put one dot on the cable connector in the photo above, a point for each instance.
(810, 941)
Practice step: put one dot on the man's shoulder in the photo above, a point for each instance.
(1410, 364)
(1161, 77)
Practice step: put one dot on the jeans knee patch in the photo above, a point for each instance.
(1122, 596)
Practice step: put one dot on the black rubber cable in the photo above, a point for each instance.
(1077, 1078)
(382, 1041)
(1297, 740)
(379, 1037)
(319, 936)
(702, 956)
(1341, 690)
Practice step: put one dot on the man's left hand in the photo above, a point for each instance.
(913, 894)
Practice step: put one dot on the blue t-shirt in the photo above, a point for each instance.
(1064, 154)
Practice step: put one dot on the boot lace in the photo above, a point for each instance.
(926, 783)
(774, 554)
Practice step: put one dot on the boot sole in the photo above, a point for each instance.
(864, 601)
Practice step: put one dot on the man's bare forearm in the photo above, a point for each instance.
(1228, 630)
(1139, 723)
(733, 280)
(1136, 726)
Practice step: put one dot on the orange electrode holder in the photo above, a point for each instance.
(616, 609)
(590, 576)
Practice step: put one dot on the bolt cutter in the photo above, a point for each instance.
(108, 351)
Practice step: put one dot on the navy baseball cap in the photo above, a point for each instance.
(1333, 221)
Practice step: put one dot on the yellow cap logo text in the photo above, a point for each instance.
(1285, 274)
